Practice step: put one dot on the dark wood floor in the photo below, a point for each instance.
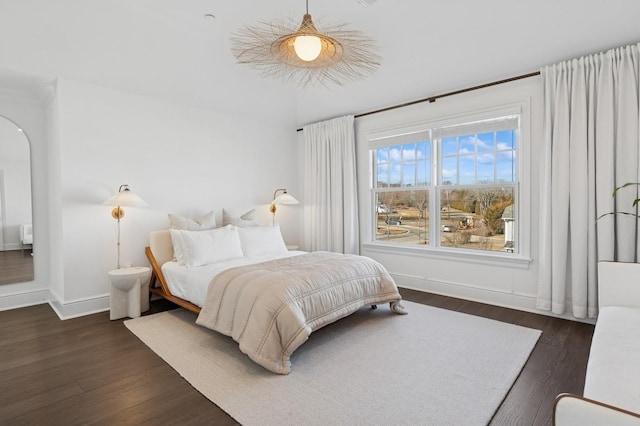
(91, 370)
(16, 266)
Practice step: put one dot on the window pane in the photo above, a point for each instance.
(382, 155)
(486, 142)
(467, 144)
(403, 165)
(478, 219)
(486, 168)
(506, 166)
(423, 173)
(409, 152)
(383, 176)
(479, 160)
(506, 139)
(467, 170)
(402, 216)
(424, 149)
(450, 146)
(395, 174)
(409, 174)
(395, 168)
(395, 153)
(449, 171)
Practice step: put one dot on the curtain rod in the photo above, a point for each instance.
(432, 99)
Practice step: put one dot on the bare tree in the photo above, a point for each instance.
(420, 201)
(390, 199)
(487, 196)
(466, 196)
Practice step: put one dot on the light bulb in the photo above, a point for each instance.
(307, 48)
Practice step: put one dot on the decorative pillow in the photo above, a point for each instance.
(200, 248)
(239, 217)
(207, 221)
(257, 240)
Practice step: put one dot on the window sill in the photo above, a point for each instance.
(483, 258)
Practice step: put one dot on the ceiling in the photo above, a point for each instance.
(168, 49)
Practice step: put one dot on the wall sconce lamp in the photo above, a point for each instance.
(126, 198)
(283, 198)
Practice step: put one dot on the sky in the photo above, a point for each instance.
(467, 159)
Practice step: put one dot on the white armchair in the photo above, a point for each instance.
(611, 391)
(26, 235)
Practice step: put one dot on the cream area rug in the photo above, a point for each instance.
(431, 367)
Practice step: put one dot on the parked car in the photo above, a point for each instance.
(394, 220)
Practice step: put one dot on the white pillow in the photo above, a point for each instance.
(257, 240)
(200, 248)
(240, 218)
(178, 253)
(207, 221)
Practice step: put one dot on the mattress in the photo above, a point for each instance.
(192, 283)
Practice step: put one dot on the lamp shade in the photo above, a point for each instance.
(125, 198)
(301, 53)
(285, 199)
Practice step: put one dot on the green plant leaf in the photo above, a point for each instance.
(634, 204)
(624, 186)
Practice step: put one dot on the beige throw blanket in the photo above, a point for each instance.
(271, 308)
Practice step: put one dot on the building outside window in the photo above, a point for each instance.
(453, 186)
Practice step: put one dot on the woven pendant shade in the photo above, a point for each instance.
(271, 47)
(283, 49)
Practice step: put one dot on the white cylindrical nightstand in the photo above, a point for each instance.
(129, 291)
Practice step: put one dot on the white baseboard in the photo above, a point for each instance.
(23, 299)
(64, 309)
(15, 246)
(80, 307)
(490, 296)
(90, 305)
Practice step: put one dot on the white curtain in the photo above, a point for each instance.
(590, 147)
(330, 187)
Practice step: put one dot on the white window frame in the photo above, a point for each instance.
(376, 138)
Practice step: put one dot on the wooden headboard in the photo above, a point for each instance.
(159, 252)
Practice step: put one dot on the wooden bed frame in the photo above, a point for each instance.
(159, 286)
(161, 242)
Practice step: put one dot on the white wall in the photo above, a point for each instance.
(512, 285)
(185, 160)
(179, 159)
(54, 200)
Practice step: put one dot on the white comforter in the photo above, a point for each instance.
(271, 308)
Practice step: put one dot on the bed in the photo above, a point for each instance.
(267, 298)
